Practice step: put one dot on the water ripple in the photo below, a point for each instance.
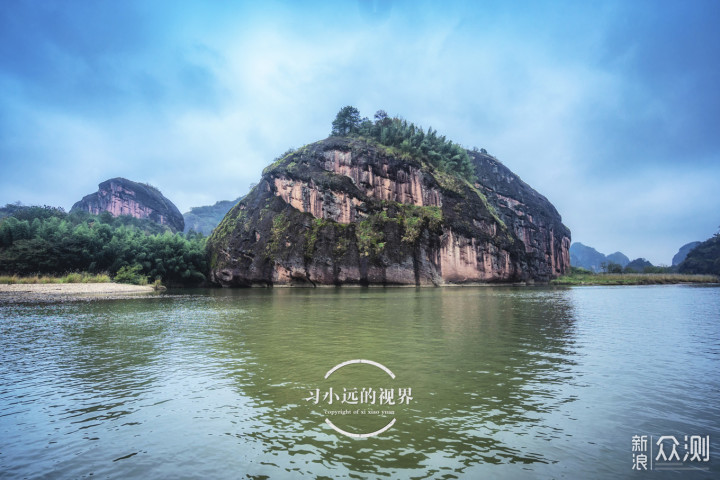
(507, 382)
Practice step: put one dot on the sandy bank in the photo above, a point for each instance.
(53, 292)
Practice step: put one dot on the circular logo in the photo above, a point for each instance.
(359, 435)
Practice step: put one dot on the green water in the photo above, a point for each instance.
(505, 382)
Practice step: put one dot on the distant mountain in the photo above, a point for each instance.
(683, 252)
(120, 196)
(638, 265)
(705, 258)
(205, 219)
(588, 258)
(619, 258)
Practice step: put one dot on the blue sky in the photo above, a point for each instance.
(609, 109)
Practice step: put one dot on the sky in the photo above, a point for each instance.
(610, 109)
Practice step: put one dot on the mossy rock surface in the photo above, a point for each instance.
(347, 210)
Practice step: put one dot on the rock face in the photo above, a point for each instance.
(350, 211)
(120, 196)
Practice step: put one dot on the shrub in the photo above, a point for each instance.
(157, 285)
(131, 274)
(73, 278)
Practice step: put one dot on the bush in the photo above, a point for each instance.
(157, 285)
(131, 275)
(73, 278)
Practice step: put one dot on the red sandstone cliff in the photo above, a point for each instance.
(120, 196)
(346, 211)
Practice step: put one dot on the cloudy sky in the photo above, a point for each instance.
(610, 109)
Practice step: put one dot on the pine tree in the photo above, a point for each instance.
(346, 122)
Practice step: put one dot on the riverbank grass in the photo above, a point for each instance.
(589, 278)
(74, 277)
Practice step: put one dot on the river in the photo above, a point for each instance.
(475, 382)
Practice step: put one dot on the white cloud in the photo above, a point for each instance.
(218, 95)
(651, 214)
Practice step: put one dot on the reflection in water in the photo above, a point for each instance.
(505, 382)
(480, 363)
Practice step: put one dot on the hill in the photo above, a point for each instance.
(205, 219)
(386, 202)
(120, 196)
(590, 259)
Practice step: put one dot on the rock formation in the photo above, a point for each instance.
(120, 196)
(351, 211)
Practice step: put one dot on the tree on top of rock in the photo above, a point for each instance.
(346, 122)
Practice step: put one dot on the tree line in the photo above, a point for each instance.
(407, 138)
(46, 240)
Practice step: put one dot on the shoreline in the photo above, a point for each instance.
(67, 292)
(620, 279)
(61, 292)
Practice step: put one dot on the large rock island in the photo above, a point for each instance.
(349, 210)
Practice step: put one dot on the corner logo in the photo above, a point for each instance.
(369, 398)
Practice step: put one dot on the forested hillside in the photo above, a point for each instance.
(46, 240)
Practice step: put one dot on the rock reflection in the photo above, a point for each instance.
(506, 382)
(485, 364)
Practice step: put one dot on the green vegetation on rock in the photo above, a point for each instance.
(407, 138)
(414, 219)
(280, 224)
(369, 234)
(278, 161)
(312, 235)
(235, 218)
